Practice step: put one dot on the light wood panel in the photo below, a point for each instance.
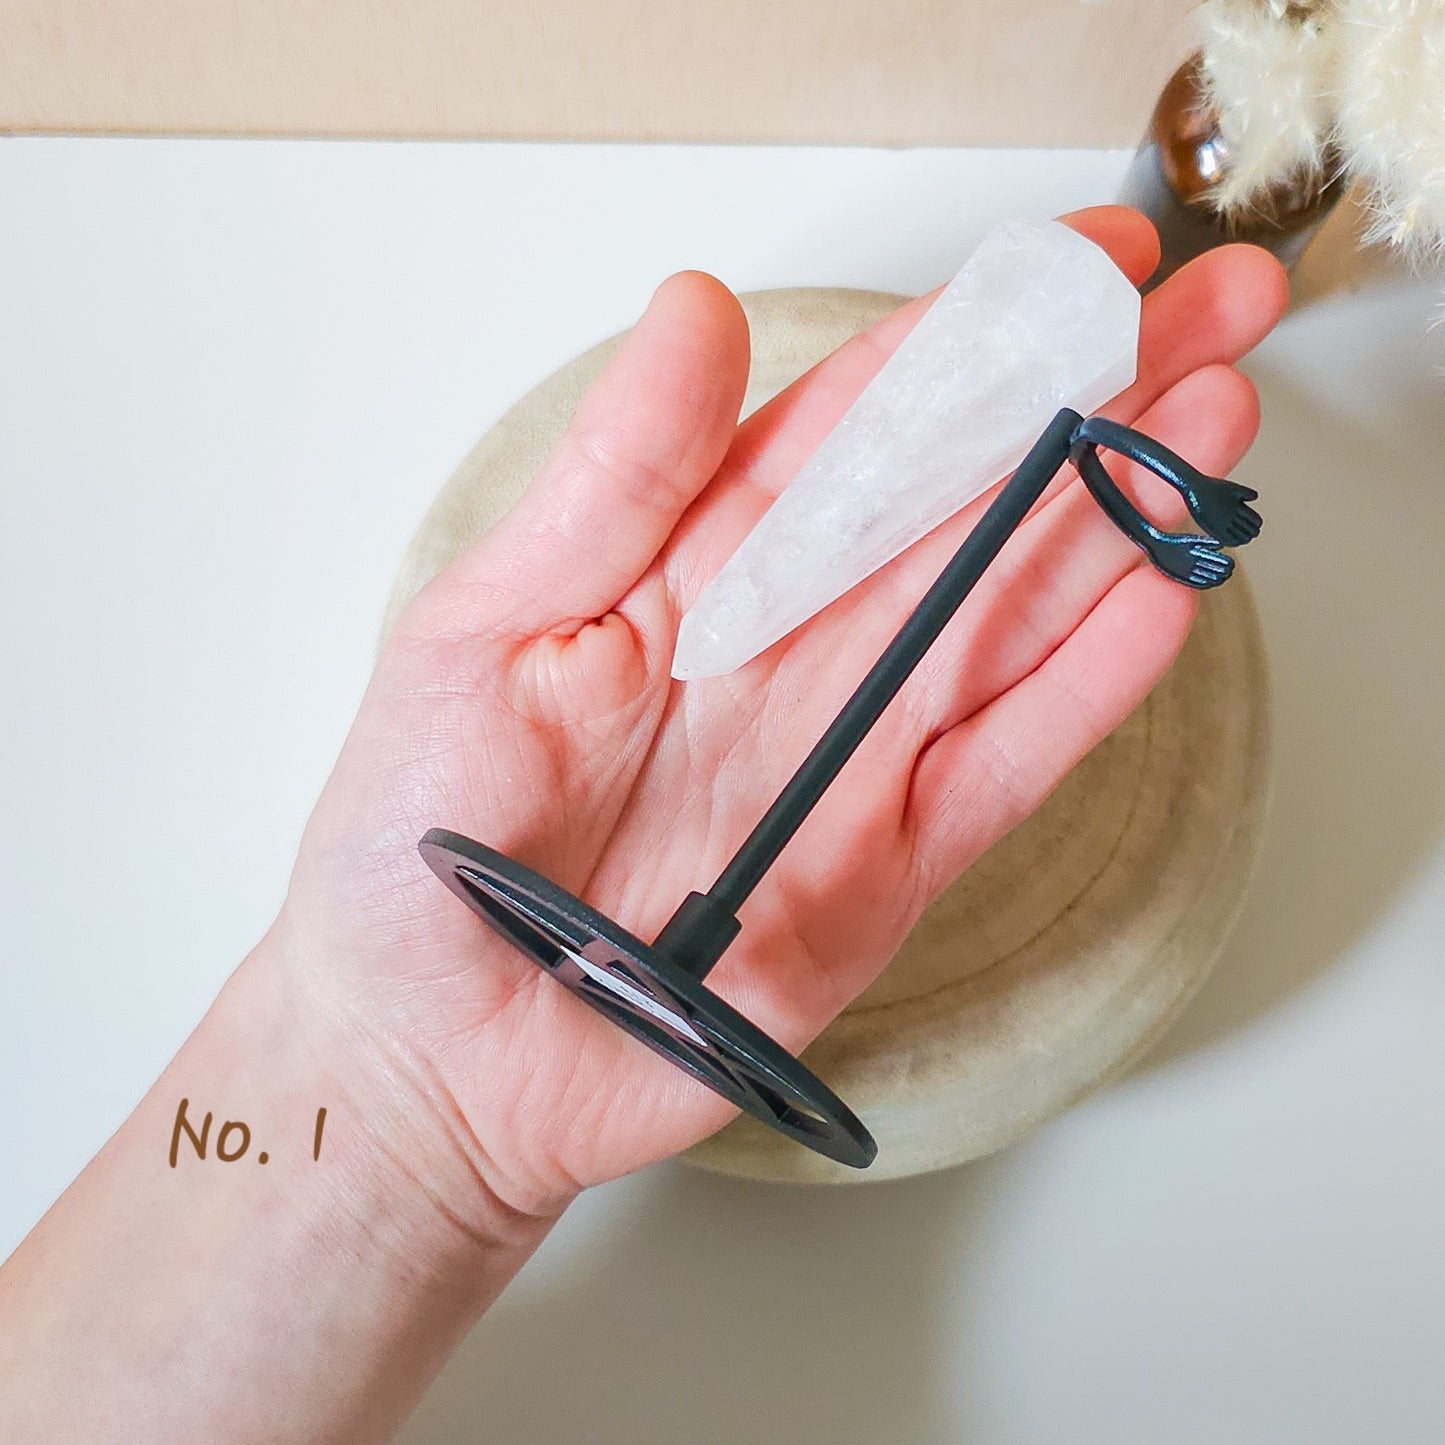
(974, 72)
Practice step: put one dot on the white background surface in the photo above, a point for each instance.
(233, 374)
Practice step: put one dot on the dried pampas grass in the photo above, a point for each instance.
(1391, 98)
(1305, 87)
(1267, 69)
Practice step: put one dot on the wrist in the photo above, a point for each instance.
(342, 1276)
(393, 1161)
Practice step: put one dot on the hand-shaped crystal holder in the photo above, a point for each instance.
(656, 991)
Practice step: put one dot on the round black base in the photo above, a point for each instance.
(644, 992)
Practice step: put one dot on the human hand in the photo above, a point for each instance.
(524, 699)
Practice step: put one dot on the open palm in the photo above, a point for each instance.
(524, 699)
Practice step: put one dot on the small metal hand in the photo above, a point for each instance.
(1195, 561)
(1221, 507)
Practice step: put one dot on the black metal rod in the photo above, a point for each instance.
(901, 656)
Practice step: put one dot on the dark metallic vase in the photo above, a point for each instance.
(1181, 160)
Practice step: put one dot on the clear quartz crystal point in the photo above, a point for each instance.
(1038, 318)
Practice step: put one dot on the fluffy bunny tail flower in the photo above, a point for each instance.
(1269, 72)
(1391, 118)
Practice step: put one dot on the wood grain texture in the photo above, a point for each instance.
(872, 72)
(1065, 951)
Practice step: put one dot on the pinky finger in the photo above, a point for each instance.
(986, 774)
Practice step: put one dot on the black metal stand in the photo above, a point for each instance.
(655, 991)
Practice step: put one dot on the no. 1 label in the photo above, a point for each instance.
(233, 1138)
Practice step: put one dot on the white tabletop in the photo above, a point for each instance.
(232, 375)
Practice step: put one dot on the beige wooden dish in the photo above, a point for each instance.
(1065, 952)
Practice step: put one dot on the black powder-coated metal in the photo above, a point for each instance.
(655, 991)
(899, 659)
(649, 995)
